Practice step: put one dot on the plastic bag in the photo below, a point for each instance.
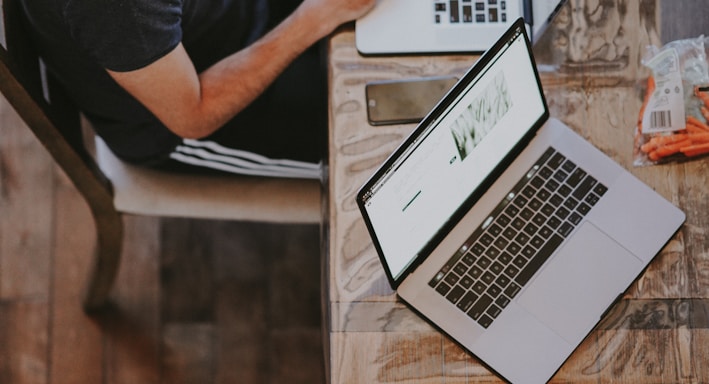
(673, 120)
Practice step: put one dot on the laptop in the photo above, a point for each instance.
(503, 227)
(432, 26)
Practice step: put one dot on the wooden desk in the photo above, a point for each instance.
(658, 333)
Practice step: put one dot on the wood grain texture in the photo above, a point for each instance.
(592, 72)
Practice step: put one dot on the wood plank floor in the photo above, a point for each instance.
(196, 301)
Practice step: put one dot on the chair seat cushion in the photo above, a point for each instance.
(144, 191)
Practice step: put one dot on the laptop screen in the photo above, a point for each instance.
(420, 189)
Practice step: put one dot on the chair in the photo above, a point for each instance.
(112, 187)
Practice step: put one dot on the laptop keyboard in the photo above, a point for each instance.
(469, 11)
(520, 234)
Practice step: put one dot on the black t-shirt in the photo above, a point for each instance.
(79, 39)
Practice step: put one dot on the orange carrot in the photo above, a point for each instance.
(695, 150)
(699, 138)
(660, 141)
(694, 129)
(667, 150)
(694, 121)
(705, 112)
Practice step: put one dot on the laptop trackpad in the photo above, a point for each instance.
(589, 272)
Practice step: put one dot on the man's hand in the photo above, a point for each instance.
(195, 105)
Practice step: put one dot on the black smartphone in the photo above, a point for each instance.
(405, 101)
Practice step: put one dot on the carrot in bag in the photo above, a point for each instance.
(696, 122)
(669, 149)
(695, 149)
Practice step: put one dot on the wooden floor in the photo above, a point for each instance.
(195, 302)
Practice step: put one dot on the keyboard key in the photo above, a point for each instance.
(519, 261)
(484, 262)
(452, 279)
(600, 189)
(454, 12)
(521, 239)
(479, 288)
(513, 248)
(512, 290)
(443, 288)
(502, 301)
(539, 219)
(477, 249)
(511, 210)
(592, 199)
(560, 176)
(467, 14)
(488, 278)
(545, 172)
(505, 258)
(466, 282)
(455, 294)
(583, 208)
(529, 192)
(566, 229)
(517, 223)
(503, 220)
(460, 269)
(571, 203)
(479, 307)
(468, 259)
(530, 229)
(526, 214)
(537, 241)
(511, 271)
(492, 253)
(553, 222)
(545, 232)
(494, 230)
(575, 218)
(467, 301)
(562, 213)
(568, 166)
(485, 321)
(493, 311)
(494, 291)
(576, 177)
(557, 160)
(475, 272)
(537, 182)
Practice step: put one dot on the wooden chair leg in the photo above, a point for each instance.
(107, 257)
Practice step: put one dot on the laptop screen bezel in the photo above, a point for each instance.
(479, 66)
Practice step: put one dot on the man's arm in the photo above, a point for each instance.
(195, 105)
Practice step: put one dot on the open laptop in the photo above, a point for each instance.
(503, 227)
(430, 26)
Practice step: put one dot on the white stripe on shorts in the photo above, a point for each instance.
(210, 154)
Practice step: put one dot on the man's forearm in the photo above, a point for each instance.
(233, 83)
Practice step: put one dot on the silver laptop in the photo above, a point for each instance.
(503, 227)
(430, 26)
